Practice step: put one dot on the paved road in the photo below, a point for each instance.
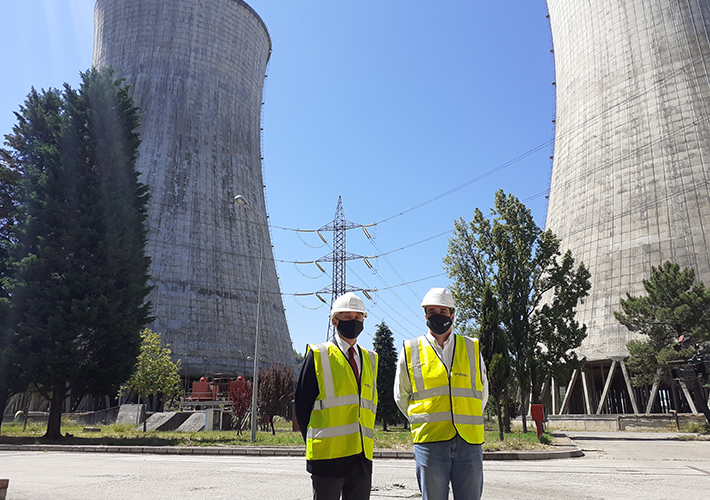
(626, 466)
(618, 465)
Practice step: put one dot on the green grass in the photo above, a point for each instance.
(396, 438)
(517, 441)
(696, 427)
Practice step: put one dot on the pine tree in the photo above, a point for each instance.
(78, 271)
(675, 318)
(387, 411)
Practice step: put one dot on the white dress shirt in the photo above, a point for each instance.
(345, 347)
(403, 386)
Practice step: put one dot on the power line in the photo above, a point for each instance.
(375, 256)
(370, 289)
(589, 122)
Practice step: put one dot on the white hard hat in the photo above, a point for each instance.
(438, 297)
(348, 302)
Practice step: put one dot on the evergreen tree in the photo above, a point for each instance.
(675, 318)
(387, 411)
(523, 264)
(11, 380)
(77, 269)
(494, 352)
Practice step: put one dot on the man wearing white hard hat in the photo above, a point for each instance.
(442, 388)
(336, 403)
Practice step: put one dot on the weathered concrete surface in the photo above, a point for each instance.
(197, 72)
(610, 423)
(629, 185)
(194, 423)
(130, 414)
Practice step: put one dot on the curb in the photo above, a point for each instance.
(568, 452)
(163, 450)
(262, 451)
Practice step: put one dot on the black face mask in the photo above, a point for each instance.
(350, 329)
(438, 323)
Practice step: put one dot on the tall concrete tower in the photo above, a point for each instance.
(630, 180)
(197, 73)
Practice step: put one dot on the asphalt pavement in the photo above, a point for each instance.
(621, 465)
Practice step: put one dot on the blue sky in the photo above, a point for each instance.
(386, 103)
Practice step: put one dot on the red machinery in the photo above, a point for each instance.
(217, 389)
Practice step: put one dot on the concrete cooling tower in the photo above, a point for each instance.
(197, 73)
(631, 167)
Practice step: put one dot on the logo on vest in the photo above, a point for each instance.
(459, 374)
(368, 386)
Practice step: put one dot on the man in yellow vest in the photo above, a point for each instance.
(336, 403)
(441, 387)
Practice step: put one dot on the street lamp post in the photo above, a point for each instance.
(240, 200)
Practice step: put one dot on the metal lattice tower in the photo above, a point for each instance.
(338, 252)
(338, 257)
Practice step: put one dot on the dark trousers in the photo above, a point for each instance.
(355, 486)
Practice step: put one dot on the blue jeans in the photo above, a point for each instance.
(454, 461)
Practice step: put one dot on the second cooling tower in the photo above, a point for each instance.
(197, 73)
(630, 182)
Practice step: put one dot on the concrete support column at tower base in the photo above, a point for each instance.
(604, 387)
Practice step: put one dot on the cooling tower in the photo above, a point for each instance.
(629, 186)
(197, 73)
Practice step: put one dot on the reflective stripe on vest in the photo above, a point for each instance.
(443, 404)
(342, 421)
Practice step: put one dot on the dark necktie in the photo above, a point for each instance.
(353, 363)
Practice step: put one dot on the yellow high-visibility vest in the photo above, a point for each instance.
(443, 404)
(343, 418)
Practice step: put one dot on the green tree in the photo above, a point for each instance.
(537, 288)
(674, 317)
(299, 358)
(77, 270)
(387, 411)
(156, 377)
(494, 351)
(554, 323)
(11, 380)
(11, 377)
